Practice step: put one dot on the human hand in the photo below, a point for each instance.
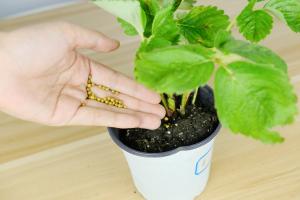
(43, 79)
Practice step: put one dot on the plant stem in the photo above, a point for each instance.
(227, 70)
(176, 4)
(171, 103)
(231, 25)
(252, 3)
(163, 99)
(195, 96)
(185, 97)
(165, 104)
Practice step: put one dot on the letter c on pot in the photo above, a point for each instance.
(202, 163)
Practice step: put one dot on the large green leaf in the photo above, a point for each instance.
(254, 53)
(287, 10)
(130, 11)
(174, 69)
(164, 25)
(202, 23)
(252, 98)
(255, 25)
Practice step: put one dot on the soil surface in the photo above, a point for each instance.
(197, 124)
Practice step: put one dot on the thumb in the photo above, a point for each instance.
(80, 37)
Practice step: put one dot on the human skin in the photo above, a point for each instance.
(43, 79)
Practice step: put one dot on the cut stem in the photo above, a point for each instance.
(195, 96)
(163, 100)
(185, 97)
(171, 102)
(165, 104)
(231, 25)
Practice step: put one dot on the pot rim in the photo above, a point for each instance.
(112, 133)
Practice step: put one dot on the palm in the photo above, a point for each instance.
(50, 87)
(63, 91)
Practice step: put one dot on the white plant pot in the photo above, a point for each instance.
(179, 174)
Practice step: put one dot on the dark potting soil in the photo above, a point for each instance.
(197, 124)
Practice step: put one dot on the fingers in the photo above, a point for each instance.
(99, 117)
(80, 37)
(96, 116)
(133, 103)
(117, 81)
(147, 120)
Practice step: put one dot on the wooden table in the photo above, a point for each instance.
(81, 163)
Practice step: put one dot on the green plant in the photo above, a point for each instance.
(183, 45)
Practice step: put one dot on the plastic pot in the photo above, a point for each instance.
(179, 174)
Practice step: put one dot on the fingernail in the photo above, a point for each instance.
(162, 112)
(154, 125)
(116, 41)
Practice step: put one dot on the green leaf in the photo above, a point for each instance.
(187, 4)
(164, 25)
(254, 53)
(128, 28)
(202, 23)
(287, 10)
(252, 98)
(254, 25)
(130, 11)
(150, 7)
(174, 69)
(221, 38)
(153, 43)
(174, 3)
(267, 136)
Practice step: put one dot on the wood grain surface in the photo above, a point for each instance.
(81, 163)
